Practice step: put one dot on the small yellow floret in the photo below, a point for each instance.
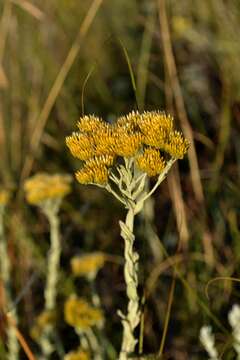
(104, 141)
(96, 175)
(90, 123)
(85, 175)
(77, 355)
(95, 170)
(87, 265)
(156, 127)
(151, 162)
(45, 319)
(129, 121)
(4, 197)
(42, 186)
(177, 146)
(81, 315)
(87, 144)
(156, 119)
(80, 145)
(127, 142)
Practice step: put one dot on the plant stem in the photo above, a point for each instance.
(94, 344)
(160, 179)
(53, 263)
(13, 347)
(132, 319)
(137, 195)
(50, 292)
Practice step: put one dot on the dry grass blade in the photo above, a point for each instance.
(218, 278)
(174, 81)
(179, 207)
(168, 313)
(171, 261)
(224, 133)
(30, 8)
(172, 74)
(57, 86)
(4, 26)
(143, 64)
(3, 79)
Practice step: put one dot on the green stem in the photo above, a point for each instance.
(13, 347)
(132, 319)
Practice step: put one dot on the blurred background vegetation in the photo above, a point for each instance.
(62, 58)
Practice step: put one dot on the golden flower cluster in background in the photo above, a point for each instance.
(45, 319)
(149, 138)
(77, 355)
(81, 315)
(87, 265)
(4, 197)
(43, 186)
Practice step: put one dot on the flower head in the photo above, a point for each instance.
(176, 146)
(151, 161)
(95, 170)
(81, 315)
(141, 136)
(81, 145)
(42, 186)
(90, 123)
(127, 142)
(129, 122)
(87, 265)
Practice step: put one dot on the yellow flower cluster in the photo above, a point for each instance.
(151, 161)
(42, 186)
(4, 197)
(139, 135)
(176, 145)
(127, 144)
(77, 355)
(95, 170)
(81, 315)
(87, 265)
(45, 319)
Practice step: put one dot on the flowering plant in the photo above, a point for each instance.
(119, 157)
